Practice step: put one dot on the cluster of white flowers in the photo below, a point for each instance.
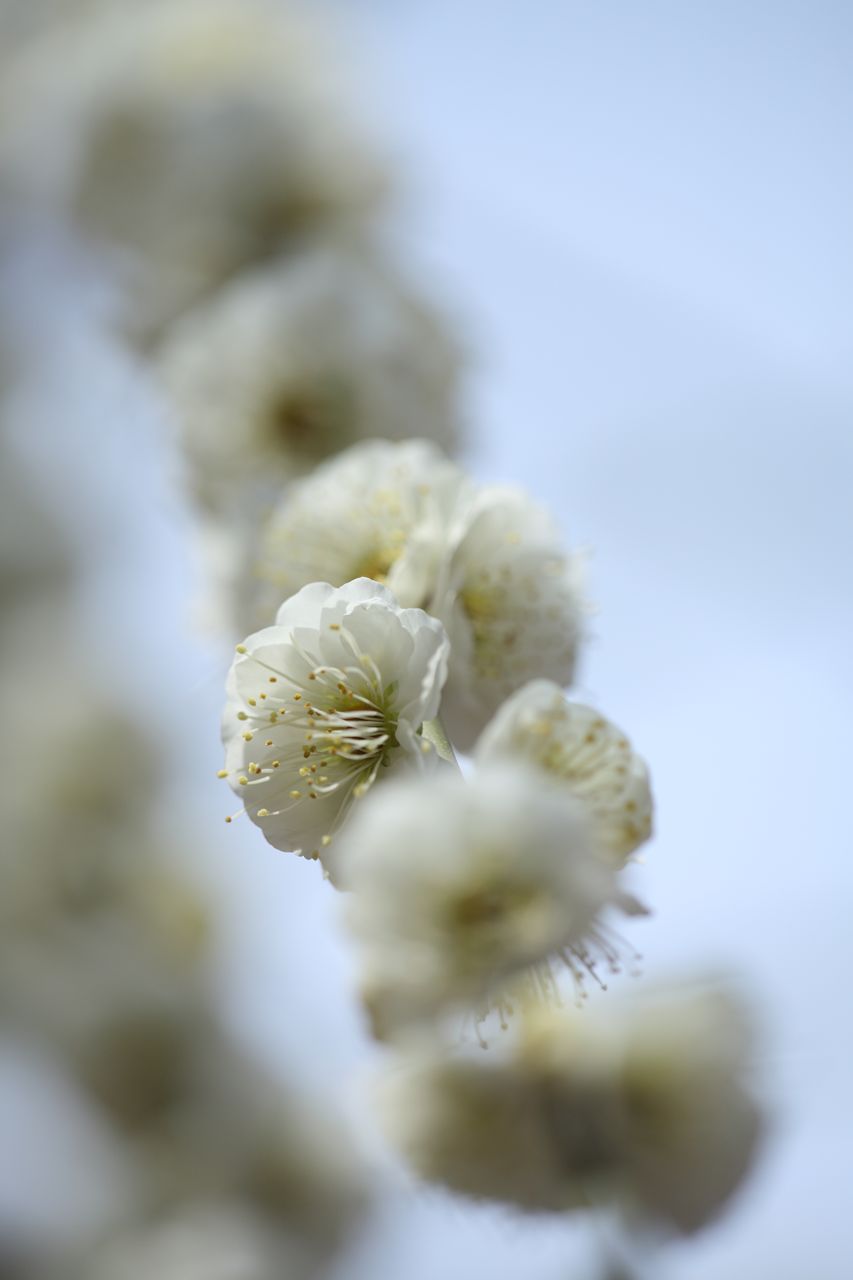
(105, 950)
(469, 898)
(650, 1107)
(397, 610)
(487, 562)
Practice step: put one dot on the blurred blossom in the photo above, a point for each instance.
(392, 504)
(210, 1241)
(579, 747)
(510, 597)
(197, 136)
(290, 364)
(324, 704)
(101, 936)
(105, 964)
(458, 886)
(648, 1105)
(35, 564)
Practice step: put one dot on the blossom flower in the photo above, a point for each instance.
(581, 748)
(290, 365)
(237, 1145)
(195, 135)
(324, 703)
(392, 505)
(648, 1106)
(487, 562)
(457, 887)
(509, 596)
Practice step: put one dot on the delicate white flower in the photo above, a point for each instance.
(578, 746)
(198, 135)
(509, 596)
(458, 886)
(321, 704)
(291, 365)
(648, 1106)
(381, 510)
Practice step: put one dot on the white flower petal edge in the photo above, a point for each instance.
(647, 1105)
(381, 510)
(324, 704)
(578, 746)
(457, 886)
(510, 597)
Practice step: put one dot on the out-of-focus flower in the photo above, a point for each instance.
(323, 704)
(381, 510)
(101, 937)
(198, 135)
(290, 365)
(259, 1153)
(576, 745)
(648, 1106)
(35, 565)
(458, 886)
(509, 596)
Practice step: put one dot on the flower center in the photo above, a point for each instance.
(310, 420)
(325, 734)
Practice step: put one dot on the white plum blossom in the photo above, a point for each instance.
(510, 598)
(457, 887)
(582, 749)
(648, 1106)
(325, 703)
(289, 365)
(380, 510)
(194, 136)
(488, 562)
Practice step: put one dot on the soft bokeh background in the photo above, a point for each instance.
(644, 211)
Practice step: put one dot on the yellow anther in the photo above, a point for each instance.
(263, 813)
(247, 736)
(241, 648)
(223, 773)
(252, 702)
(295, 795)
(241, 715)
(243, 780)
(334, 626)
(326, 841)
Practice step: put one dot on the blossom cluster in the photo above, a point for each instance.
(107, 966)
(468, 899)
(391, 612)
